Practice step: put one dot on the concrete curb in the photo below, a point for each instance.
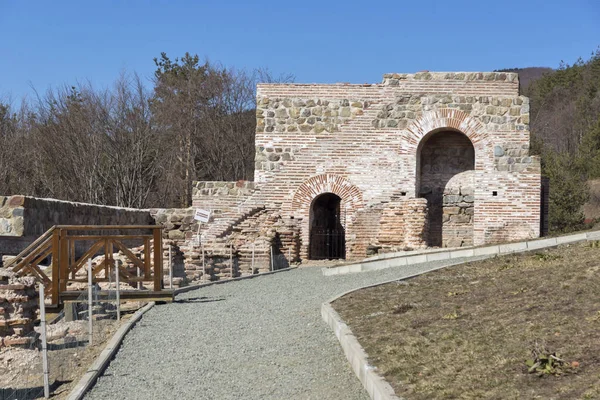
(88, 380)
(427, 255)
(240, 278)
(377, 387)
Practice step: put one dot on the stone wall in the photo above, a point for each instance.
(363, 143)
(23, 219)
(18, 308)
(458, 210)
(222, 198)
(180, 230)
(252, 233)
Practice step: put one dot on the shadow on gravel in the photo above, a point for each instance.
(198, 300)
(28, 393)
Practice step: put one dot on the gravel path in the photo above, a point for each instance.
(261, 338)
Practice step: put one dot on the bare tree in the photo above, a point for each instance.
(184, 92)
(133, 144)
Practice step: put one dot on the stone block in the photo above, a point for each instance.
(442, 255)
(343, 270)
(571, 238)
(593, 235)
(416, 259)
(460, 219)
(16, 201)
(484, 251)
(512, 247)
(17, 341)
(541, 244)
(14, 286)
(461, 253)
(451, 210)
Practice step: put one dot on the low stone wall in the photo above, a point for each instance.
(18, 309)
(23, 219)
(180, 227)
(179, 223)
(222, 198)
(458, 210)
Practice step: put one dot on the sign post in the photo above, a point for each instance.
(202, 216)
(44, 343)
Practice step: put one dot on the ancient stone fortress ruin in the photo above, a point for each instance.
(342, 171)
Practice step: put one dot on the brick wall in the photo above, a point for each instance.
(362, 143)
(403, 225)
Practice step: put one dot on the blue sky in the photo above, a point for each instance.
(50, 43)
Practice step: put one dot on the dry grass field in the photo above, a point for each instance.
(515, 327)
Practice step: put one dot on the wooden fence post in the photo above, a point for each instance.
(158, 259)
(55, 266)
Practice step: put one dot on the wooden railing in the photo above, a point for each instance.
(63, 243)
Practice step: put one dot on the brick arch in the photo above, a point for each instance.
(447, 118)
(466, 133)
(326, 183)
(351, 201)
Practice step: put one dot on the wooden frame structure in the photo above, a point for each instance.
(62, 243)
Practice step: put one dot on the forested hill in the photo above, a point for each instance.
(528, 75)
(565, 129)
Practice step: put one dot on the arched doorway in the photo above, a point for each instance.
(327, 235)
(444, 160)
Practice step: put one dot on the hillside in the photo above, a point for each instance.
(565, 131)
(528, 75)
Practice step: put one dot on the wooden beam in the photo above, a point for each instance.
(96, 237)
(40, 274)
(27, 260)
(63, 261)
(158, 260)
(88, 254)
(106, 227)
(42, 256)
(107, 257)
(138, 263)
(97, 269)
(27, 249)
(55, 289)
(72, 259)
(147, 260)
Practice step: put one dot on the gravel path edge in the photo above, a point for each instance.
(186, 289)
(88, 380)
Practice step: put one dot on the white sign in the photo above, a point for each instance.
(202, 215)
